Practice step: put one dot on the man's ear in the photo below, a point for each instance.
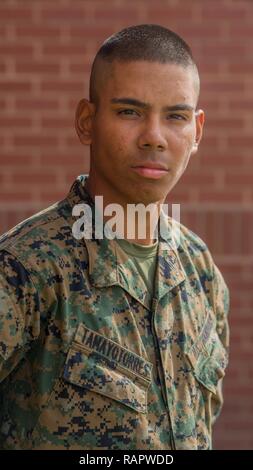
(83, 121)
(200, 119)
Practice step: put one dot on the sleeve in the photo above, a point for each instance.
(19, 313)
(220, 303)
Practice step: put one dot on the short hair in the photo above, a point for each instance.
(150, 42)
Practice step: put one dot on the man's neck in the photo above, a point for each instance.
(139, 227)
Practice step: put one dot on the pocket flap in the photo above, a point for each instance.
(208, 356)
(87, 368)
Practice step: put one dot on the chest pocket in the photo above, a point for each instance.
(90, 365)
(208, 356)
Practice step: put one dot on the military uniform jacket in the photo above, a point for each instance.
(84, 362)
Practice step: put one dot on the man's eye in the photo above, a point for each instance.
(127, 112)
(178, 117)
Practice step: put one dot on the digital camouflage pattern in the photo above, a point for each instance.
(84, 364)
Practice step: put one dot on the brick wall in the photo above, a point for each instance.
(46, 48)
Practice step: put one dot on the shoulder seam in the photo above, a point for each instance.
(10, 242)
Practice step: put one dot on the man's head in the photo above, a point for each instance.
(148, 42)
(140, 120)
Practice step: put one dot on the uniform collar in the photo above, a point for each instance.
(109, 266)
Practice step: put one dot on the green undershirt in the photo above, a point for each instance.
(144, 258)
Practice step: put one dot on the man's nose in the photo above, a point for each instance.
(152, 135)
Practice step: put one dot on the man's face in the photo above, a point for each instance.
(143, 131)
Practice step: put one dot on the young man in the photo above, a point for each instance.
(117, 343)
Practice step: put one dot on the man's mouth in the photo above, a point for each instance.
(151, 170)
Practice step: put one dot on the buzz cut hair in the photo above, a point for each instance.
(148, 42)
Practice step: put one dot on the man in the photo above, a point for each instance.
(117, 343)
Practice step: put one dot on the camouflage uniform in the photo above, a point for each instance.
(84, 363)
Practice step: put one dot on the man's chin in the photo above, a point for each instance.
(149, 197)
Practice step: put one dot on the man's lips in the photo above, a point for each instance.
(150, 170)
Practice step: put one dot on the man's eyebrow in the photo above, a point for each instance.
(141, 104)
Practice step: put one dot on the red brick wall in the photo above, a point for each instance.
(46, 48)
